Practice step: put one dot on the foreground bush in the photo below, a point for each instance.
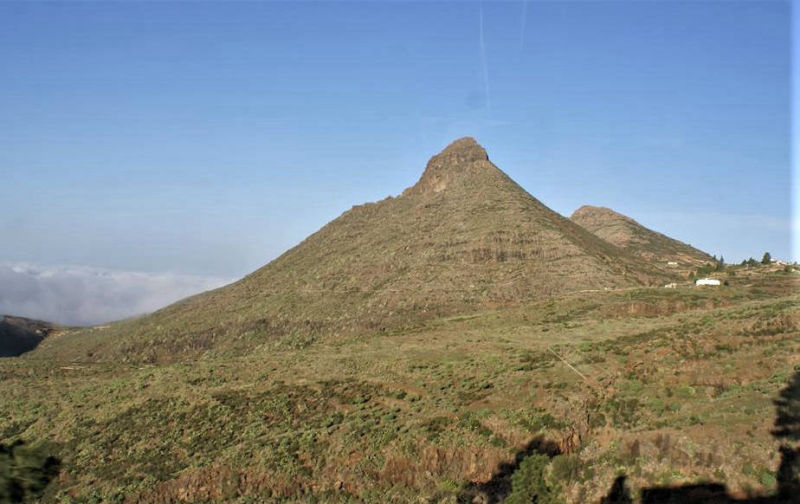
(529, 484)
(25, 472)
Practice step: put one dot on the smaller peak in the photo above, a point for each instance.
(594, 211)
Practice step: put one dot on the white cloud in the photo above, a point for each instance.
(82, 295)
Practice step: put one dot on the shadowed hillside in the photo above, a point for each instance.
(645, 243)
(465, 237)
(19, 335)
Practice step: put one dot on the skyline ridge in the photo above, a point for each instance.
(207, 155)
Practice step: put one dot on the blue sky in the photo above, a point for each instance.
(204, 138)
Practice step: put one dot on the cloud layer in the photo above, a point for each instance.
(81, 295)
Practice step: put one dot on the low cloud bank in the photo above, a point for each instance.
(82, 295)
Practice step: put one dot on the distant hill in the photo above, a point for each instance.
(465, 237)
(19, 335)
(645, 243)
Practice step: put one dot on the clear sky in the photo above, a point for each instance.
(203, 138)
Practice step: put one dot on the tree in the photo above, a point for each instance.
(766, 259)
(529, 483)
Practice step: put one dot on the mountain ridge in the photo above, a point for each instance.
(465, 237)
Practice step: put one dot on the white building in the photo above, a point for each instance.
(672, 285)
(707, 281)
(672, 264)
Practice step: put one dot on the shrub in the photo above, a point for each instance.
(529, 483)
(566, 468)
(25, 472)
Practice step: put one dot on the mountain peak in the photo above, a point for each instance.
(465, 148)
(465, 238)
(461, 160)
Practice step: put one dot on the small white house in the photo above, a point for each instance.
(672, 264)
(707, 281)
(672, 285)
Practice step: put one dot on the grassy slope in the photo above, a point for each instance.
(680, 388)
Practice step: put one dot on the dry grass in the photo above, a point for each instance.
(678, 389)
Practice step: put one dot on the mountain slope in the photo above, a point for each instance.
(19, 335)
(645, 243)
(465, 237)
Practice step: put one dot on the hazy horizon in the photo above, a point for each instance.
(204, 142)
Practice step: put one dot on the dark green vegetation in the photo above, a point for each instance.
(631, 236)
(25, 472)
(19, 335)
(530, 482)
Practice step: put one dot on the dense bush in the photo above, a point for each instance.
(566, 468)
(25, 472)
(530, 483)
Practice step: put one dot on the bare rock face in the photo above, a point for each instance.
(461, 160)
(624, 232)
